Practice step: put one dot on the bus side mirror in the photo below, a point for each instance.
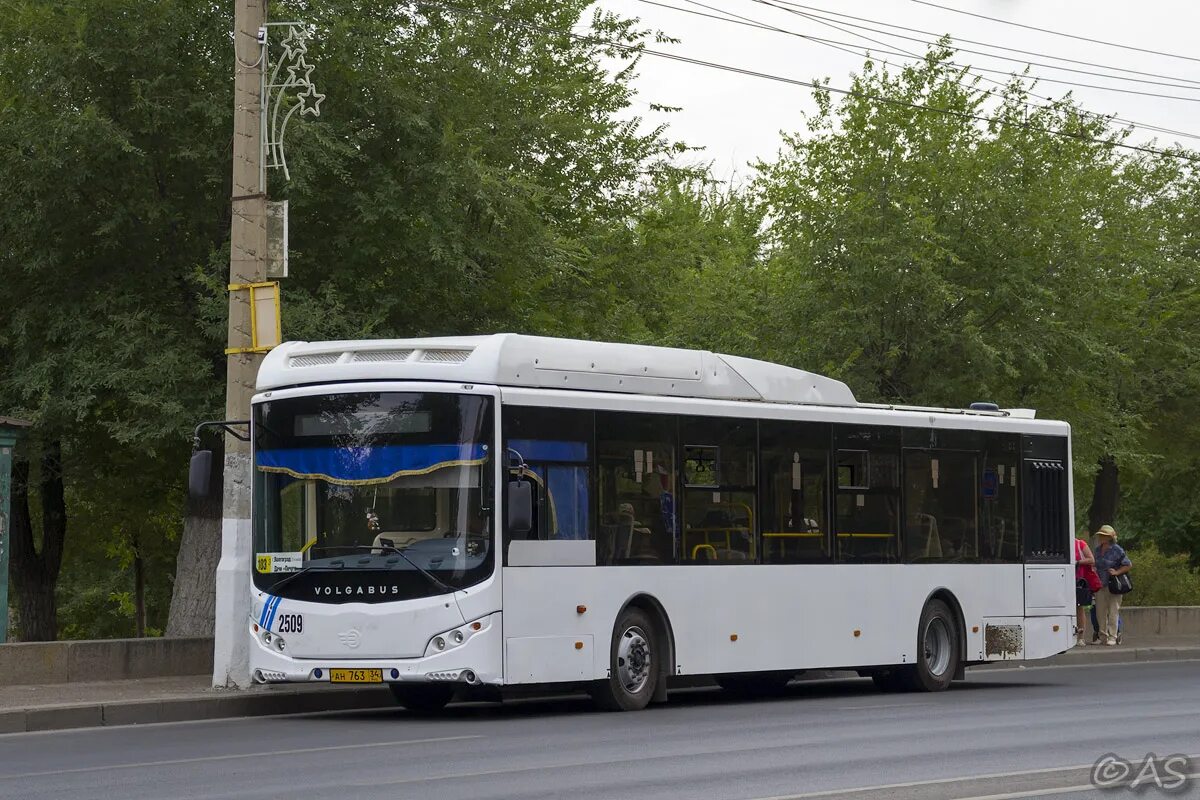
(199, 472)
(520, 508)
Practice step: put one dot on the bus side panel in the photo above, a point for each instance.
(741, 618)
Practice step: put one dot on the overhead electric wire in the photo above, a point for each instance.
(859, 50)
(988, 44)
(640, 50)
(1194, 86)
(1057, 33)
(835, 25)
(919, 57)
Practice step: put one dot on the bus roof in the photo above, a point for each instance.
(508, 359)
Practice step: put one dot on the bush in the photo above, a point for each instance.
(1162, 580)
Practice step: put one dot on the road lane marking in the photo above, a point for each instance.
(889, 705)
(235, 756)
(1064, 790)
(934, 782)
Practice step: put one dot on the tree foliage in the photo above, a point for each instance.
(482, 170)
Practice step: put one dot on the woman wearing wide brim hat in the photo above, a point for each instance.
(1110, 560)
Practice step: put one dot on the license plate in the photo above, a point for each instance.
(356, 676)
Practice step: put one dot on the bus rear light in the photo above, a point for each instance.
(580, 609)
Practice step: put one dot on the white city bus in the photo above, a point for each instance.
(444, 513)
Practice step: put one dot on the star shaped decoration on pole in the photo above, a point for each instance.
(300, 66)
(290, 89)
(294, 44)
(310, 101)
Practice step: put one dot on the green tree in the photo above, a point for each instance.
(932, 258)
(462, 166)
(115, 178)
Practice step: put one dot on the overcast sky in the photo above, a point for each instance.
(738, 118)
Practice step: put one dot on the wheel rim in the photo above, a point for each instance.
(633, 659)
(937, 646)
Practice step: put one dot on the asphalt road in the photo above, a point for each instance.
(1010, 733)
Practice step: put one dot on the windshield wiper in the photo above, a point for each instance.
(386, 548)
(391, 548)
(336, 566)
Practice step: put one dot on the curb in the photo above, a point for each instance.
(1077, 657)
(278, 701)
(184, 709)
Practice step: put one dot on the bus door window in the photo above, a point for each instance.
(556, 447)
(999, 540)
(635, 458)
(795, 492)
(867, 502)
(719, 478)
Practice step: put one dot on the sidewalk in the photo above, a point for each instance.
(1131, 650)
(41, 707)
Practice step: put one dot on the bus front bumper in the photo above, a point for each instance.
(478, 660)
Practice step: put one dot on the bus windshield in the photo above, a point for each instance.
(347, 486)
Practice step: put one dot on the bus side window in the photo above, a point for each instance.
(795, 492)
(719, 479)
(867, 500)
(635, 458)
(940, 502)
(556, 446)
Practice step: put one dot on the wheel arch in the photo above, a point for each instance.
(947, 597)
(662, 622)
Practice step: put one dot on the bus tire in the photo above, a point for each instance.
(633, 671)
(755, 684)
(422, 698)
(938, 650)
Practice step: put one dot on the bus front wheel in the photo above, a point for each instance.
(422, 698)
(633, 672)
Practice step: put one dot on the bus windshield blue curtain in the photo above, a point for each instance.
(360, 466)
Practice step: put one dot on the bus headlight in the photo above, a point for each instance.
(458, 636)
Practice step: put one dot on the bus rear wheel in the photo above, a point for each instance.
(938, 655)
(633, 671)
(422, 698)
(938, 649)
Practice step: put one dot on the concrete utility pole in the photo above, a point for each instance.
(247, 265)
